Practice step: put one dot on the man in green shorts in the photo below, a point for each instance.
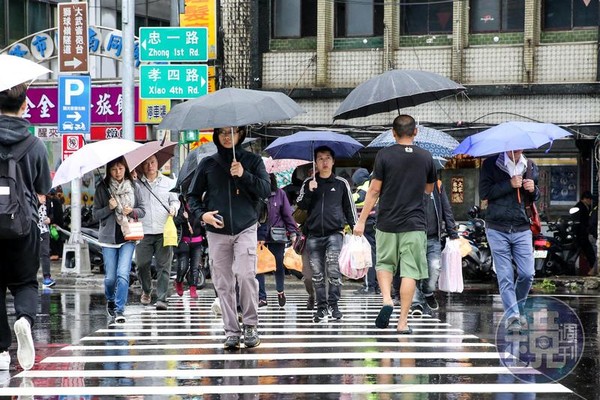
(401, 174)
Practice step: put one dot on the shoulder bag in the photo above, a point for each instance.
(535, 223)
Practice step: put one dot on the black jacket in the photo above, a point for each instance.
(443, 212)
(504, 212)
(213, 188)
(329, 207)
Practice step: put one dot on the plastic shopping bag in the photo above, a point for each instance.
(360, 253)
(345, 260)
(169, 232)
(292, 260)
(451, 279)
(265, 260)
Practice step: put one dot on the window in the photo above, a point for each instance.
(358, 18)
(3, 27)
(423, 18)
(38, 17)
(294, 18)
(569, 14)
(497, 15)
(16, 16)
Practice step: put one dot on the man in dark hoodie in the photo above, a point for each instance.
(328, 200)
(20, 257)
(360, 178)
(224, 193)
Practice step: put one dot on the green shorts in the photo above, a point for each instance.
(404, 250)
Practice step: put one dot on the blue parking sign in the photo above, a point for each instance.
(74, 98)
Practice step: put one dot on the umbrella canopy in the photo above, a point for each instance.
(438, 143)
(15, 70)
(288, 164)
(301, 145)
(90, 157)
(231, 107)
(507, 136)
(162, 150)
(396, 89)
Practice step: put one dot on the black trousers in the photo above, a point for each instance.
(19, 266)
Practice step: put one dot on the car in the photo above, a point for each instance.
(67, 126)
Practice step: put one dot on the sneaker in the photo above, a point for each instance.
(524, 322)
(336, 313)
(262, 303)
(320, 315)
(48, 282)
(281, 299)
(251, 338)
(25, 349)
(416, 311)
(193, 293)
(161, 305)
(110, 308)
(310, 303)
(513, 326)
(363, 291)
(179, 288)
(216, 307)
(232, 342)
(54, 258)
(4, 361)
(432, 302)
(145, 299)
(120, 318)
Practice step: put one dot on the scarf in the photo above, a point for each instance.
(123, 193)
(507, 165)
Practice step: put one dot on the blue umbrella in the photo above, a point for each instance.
(438, 143)
(514, 135)
(301, 145)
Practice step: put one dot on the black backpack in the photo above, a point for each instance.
(15, 214)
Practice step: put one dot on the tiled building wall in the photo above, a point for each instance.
(569, 62)
(493, 65)
(436, 60)
(286, 70)
(350, 68)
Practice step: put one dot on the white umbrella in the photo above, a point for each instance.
(90, 157)
(15, 70)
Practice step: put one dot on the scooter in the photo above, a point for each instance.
(557, 254)
(477, 264)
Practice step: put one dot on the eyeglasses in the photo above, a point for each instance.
(228, 132)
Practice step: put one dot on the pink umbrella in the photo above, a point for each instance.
(162, 150)
(284, 164)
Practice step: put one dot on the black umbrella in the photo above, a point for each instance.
(393, 90)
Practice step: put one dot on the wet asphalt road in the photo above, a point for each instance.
(178, 353)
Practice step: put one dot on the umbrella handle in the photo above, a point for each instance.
(233, 143)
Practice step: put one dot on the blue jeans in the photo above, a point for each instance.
(117, 264)
(278, 250)
(426, 287)
(324, 254)
(506, 247)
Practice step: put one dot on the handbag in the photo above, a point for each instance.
(451, 279)
(136, 231)
(278, 234)
(292, 261)
(299, 244)
(265, 260)
(535, 223)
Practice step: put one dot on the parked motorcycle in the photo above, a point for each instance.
(477, 262)
(557, 254)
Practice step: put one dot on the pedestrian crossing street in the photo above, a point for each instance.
(179, 353)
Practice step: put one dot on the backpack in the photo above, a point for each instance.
(15, 214)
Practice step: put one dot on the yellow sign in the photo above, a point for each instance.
(206, 136)
(152, 111)
(202, 13)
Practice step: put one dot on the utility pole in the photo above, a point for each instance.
(128, 32)
(174, 21)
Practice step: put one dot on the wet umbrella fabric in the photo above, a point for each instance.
(514, 135)
(301, 145)
(163, 151)
(15, 70)
(438, 143)
(231, 107)
(283, 169)
(394, 90)
(90, 157)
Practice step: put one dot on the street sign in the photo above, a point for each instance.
(116, 132)
(173, 81)
(173, 44)
(74, 98)
(73, 45)
(70, 144)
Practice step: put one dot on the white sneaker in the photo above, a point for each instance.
(4, 361)
(216, 307)
(25, 349)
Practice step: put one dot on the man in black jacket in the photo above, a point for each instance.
(582, 233)
(506, 188)
(224, 193)
(328, 200)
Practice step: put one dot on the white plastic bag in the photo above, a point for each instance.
(451, 279)
(360, 253)
(345, 259)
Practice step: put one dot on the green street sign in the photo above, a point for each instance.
(182, 81)
(173, 44)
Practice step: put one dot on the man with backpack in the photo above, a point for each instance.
(24, 173)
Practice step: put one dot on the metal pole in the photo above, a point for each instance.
(128, 31)
(174, 21)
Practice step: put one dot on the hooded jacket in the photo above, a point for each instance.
(443, 212)
(213, 188)
(34, 164)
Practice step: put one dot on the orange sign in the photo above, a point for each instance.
(202, 13)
